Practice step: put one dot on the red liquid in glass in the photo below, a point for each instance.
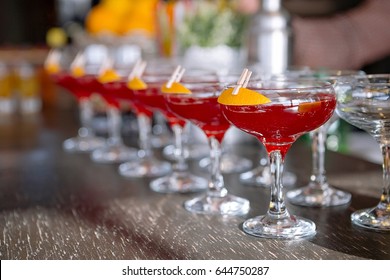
(122, 92)
(204, 112)
(110, 91)
(69, 82)
(153, 98)
(278, 125)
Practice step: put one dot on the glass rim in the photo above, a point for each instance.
(311, 84)
(368, 80)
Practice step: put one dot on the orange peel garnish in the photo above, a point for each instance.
(308, 106)
(78, 71)
(175, 88)
(52, 68)
(108, 76)
(243, 97)
(136, 84)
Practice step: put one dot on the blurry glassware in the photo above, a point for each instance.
(7, 101)
(289, 110)
(181, 180)
(364, 103)
(161, 134)
(76, 78)
(319, 193)
(28, 86)
(231, 162)
(147, 165)
(201, 108)
(195, 144)
(115, 151)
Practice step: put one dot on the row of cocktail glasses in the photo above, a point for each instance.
(294, 107)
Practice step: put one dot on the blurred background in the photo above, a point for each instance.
(29, 29)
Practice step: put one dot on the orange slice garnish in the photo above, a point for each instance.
(308, 106)
(52, 68)
(78, 71)
(175, 88)
(108, 76)
(243, 97)
(136, 84)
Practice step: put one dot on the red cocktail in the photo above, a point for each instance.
(115, 92)
(114, 151)
(204, 112)
(148, 165)
(79, 86)
(153, 99)
(279, 125)
(287, 110)
(180, 180)
(201, 108)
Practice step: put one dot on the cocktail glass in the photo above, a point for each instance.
(318, 192)
(114, 151)
(86, 140)
(230, 162)
(181, 180)
(195, 146)
(260, 175)
(147, 165)
(74, 75)
(364, 102)
(295, 107)
(202, 109)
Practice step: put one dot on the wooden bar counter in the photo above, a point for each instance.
(56, 205)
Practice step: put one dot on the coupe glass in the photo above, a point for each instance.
(260, 175)
(296, 107)
(364, 102)
(147, 164)
(86, 140)
(114, 151)
(202, 109)
(230, 161)
(319, 193)
(195, 146)
(181, 180)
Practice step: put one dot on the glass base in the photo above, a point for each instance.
(291, 227)
(261, 177)
(228, 205)
(83, 144)
(114, 154)
(230, 163)
(313, 195)
(148, 167)
(179, 182)
(377, 218)
(191, 151)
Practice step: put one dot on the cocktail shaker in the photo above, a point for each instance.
(270, 38)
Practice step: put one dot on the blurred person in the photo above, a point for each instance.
(349, 39)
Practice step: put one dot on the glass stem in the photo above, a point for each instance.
(114, 122)
(385, 198)
(86, 117)
(318, 175)
(216, 184)
(145, 132)
(277, 208)
(180, 164)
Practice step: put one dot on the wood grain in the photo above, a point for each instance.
(56, 205)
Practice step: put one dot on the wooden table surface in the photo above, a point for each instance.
(56, 205)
